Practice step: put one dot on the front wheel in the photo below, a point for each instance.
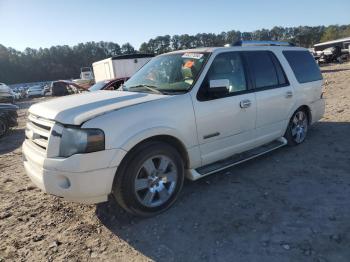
(297, 128)
(150, 180)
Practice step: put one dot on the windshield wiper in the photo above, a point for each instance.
(149, 87)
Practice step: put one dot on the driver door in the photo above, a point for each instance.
(226, 121)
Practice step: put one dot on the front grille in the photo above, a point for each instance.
(38, 131)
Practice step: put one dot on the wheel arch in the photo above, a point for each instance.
(307, 110)
(169, 139)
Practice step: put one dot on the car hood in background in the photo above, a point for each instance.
(76, 109)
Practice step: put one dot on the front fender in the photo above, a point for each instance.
(142, 135)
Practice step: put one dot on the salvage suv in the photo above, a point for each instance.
(188, 113)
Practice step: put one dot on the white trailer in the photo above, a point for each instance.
(122, 66)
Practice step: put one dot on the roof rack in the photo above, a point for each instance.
(262, 43)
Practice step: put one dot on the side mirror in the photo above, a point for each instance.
(219, 87)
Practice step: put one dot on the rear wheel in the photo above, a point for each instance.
(297, 128)
(150, 179)
(3, 127)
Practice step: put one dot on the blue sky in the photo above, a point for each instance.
(43, 23)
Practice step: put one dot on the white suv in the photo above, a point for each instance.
(184, 114)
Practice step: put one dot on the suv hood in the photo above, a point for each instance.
(76, 109)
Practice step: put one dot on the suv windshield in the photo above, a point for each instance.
(168, 73)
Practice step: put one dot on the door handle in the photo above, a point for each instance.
(245, 103)
(289, 94)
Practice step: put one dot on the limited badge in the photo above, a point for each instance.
(192, 55)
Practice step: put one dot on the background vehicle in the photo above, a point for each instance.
(63, 88)
(17, 95)
(86, 73)
(46, 89)
(8, 117)
(6, 94)
(332, 51)
(111, 84)
(122, 66)
(186, 113)
(35, 91)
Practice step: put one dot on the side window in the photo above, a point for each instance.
(303, 65)
(282, 78)
(263, 69)
(226, 66)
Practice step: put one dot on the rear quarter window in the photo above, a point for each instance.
(303, 65)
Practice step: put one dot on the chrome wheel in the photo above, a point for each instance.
(156, 181)
(299, 127)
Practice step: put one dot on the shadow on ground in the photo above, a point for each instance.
(289, 205)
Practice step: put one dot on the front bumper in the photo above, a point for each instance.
(83, 178)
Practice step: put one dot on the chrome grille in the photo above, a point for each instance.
(38, 131)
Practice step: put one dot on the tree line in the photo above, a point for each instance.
(64, 62)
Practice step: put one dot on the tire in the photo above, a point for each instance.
(150, 179)
(3, 127)
(297, 128)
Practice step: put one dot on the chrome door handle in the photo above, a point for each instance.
(289, 94)
(245, 103)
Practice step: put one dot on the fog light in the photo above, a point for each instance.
(63, 182)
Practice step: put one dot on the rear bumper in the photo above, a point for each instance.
(317, 110)
(83, 178)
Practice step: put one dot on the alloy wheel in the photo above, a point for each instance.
(156, 181)
(299, 127)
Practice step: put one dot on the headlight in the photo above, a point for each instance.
(75, 140)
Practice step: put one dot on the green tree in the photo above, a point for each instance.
(127, 48)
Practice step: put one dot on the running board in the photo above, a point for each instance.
(236, 159)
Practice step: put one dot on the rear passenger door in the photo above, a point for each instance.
(274, 95)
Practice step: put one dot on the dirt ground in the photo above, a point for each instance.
(290, 205)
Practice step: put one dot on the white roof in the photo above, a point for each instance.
(346, 39)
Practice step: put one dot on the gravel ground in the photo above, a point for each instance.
(289, 205)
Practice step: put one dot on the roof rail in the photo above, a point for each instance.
(262, 43)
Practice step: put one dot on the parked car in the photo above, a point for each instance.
(6, 94)
(16, 95)
(63, 88)
(186, 113)
(46, 89)
(111, 84)
(8, 117)
(35, 91)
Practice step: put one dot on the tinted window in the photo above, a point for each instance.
(303, 65)
(282, 79)
(226, 66)
(263, 69)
